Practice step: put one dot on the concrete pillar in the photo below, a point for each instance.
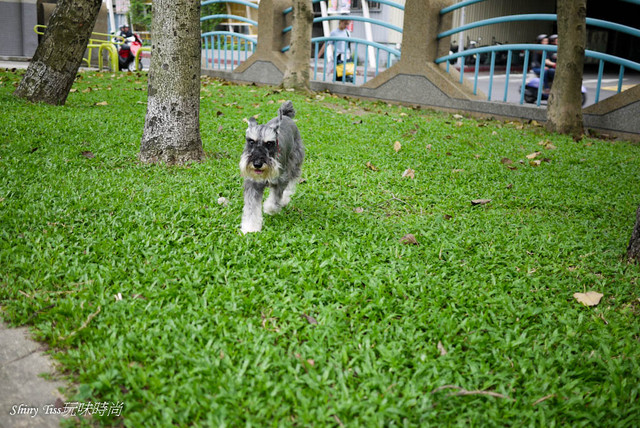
(271, 22)
(416, 71)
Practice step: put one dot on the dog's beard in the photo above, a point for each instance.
(269, 171)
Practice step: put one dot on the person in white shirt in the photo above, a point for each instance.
(342, 51)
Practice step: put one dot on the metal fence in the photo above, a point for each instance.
(524, 52)
(225, 50)
(369, 58)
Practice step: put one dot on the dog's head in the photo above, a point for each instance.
(259, 160)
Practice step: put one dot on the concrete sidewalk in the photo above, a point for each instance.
(25, 396)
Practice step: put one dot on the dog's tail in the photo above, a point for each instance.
(286, 109)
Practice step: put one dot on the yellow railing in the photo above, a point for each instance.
(102, 42)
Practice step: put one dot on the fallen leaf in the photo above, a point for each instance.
(533, 155)
(358, 210)
(494, 133)
(459, 124)
(223, 201)
(371, 166)
(397, 146)
(457, 116)
(102, 103)
(429, 146)
(409, 239)
(73, 90)
(512, 168)
(409, 173)
(590, 298)
(310, 319)
(87, 154)
(480, 201)
(535, 163)
(447, 217)
(506, 161)
(443, 351)
(311, 362)
(457, 170)
(220, 128)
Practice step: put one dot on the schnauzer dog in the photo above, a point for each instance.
(272, 156)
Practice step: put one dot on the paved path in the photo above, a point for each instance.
(24, 394)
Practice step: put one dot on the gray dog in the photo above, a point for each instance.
(272, 156)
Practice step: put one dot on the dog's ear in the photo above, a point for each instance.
(252, 122)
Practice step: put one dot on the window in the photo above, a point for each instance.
(357, 5)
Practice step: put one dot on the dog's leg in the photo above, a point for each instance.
(252, 211)
(288, 192)
(274, 204)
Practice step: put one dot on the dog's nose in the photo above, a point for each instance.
(257, 165)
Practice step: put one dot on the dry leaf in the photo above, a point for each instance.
(480, 201)
(87, 154)
(397, 146)
(443, 351)
(409, 173)
(371, 166)
(409, 239)
(459, 124)
(429, 146)
(494, 133)
(223, 201)
(590, 298)
(535, 163)
(447, 217)
(311, 362)
(533, 155)
(102, 103)
(457, 170)
(506, 161)
(457, 116)
(358, 210)
(310, 319)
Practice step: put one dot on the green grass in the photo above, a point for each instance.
(213, 326)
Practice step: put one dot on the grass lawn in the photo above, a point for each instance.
(148, 294)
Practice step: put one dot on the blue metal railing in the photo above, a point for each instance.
(316, 42)
(225, 50)
(524, 50)
(372, 50)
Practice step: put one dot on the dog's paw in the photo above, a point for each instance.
(250, 228)
(271, 207)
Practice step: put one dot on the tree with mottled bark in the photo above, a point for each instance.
(296, 75)
(633, 250)
(172, 125)
(54, 65)
(564, 114)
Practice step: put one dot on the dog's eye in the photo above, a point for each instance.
(250, 141)
(270, 144)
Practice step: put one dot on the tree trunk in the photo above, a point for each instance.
(564, 114)
(172, 125)
(633, 251)
(297, 74)
(56, 61)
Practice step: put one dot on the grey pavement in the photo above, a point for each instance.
(25, 395)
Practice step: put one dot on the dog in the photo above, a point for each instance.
(272, 156)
